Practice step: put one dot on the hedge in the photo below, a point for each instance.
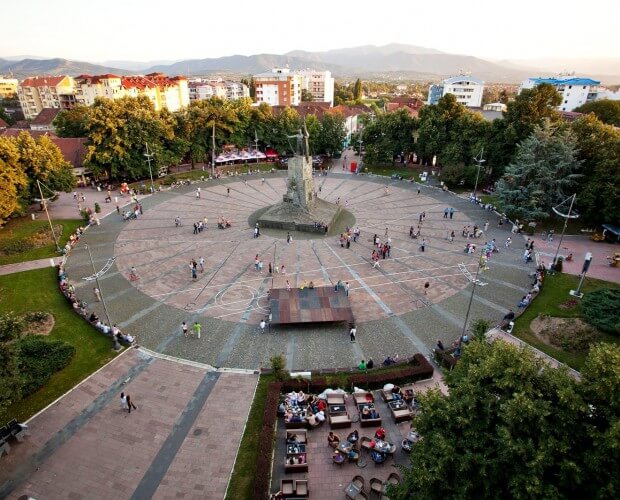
(39, 359)
(263, 465)
(600, 309)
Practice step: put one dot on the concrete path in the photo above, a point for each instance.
(183, 437)
(29, 265)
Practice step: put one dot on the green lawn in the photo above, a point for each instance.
(553, 293)
(37, 291)
(24, 227)
(407, 172)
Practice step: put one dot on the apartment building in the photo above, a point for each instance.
(278, 87)
(467, 90)
(575, 91)
(37, 93)
(8, 88)
(201, 89)
(320, 84)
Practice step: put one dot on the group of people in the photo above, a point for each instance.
(370, 364)
(193, 267)
(300, 407)
(528, 254)
(199, 226)
(223, 223)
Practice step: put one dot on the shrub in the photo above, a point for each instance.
(12, 247)
(11, 326)
(35, 316)
(600, 309)
(169, 180)
(39, 359)
(278, 362)
(479, 328)
(97, 208)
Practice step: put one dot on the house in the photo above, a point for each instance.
(44, 121)
(8, 88)
(575, 91)
(495, 106)
(468, 90)
(411, 104)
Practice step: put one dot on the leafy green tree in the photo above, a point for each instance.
(606, 110)
(342, 94)
(543, 174)
(73, 122)
(4, 115)
(313, 125)
(388, 135)
(331, 133)
(357, 91)
(11, 327)
(285, 123)
(513, 427)
(306, 95)
(13, 180)
(599, 149)
(42, 160)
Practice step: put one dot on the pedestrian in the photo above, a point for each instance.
(123, 401)
(262, 325)
(508, 242)
(198, 192)
(288, 285)
(289, 238)
(282, 269)
(445, 212)
(227, 191)
(118, 209)
(201, 263)
(387, 190)
(418, 190)
(196, 329)
(193, 270)
(452, 237)
(74, 195)
(130, 404)
(426, 285)
(184, 329)
(353, 333)
(386, 232)
(347, 287)
(451, 212)
(205, 220)
(97, 294)
(422, 245)
(270, 268)
(486, 226)
(256, 232)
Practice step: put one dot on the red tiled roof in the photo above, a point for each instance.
(14, 132)
(42, 81)
(72, 148)
(3, 124)
(46, 116)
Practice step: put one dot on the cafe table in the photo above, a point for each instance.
(345, 446)
(382, 446)
(352, 490)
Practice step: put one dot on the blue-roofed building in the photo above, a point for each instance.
(574, 90)
(467, 90)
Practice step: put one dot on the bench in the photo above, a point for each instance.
(387, 396)
(302, 436)
(363, 397)
(401, 415)
(339, 421)
(335, 399)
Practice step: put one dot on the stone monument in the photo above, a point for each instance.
(300, 209)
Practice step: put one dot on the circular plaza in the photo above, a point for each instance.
(401, 306)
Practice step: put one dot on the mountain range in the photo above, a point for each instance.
(391, 61)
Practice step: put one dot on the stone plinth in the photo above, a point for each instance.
(291, 217)
(300, 183)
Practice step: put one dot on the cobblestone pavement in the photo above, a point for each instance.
(393, 313)
(183, 437)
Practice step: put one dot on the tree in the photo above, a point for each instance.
(13, 180)
(543, 174)
(11, 327)
(606, 110)
(357, 91)
(73, 122)
(513, 427)
(42, 160)
(306, 95)
(4, 115)
(331, 133)
(599, 149)
(342, 94)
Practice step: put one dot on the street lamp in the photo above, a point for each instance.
(44, 203)
(479, 161)
(566, 217)
(116, 346)
(149, 158)
(473, 290)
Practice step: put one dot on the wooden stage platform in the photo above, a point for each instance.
(310, 305)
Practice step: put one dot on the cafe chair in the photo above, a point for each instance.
(392, 450)
(287, 486)
(301, 488)
(361, 496)
(365, 443)
(393, 478)
(376, 485)
(377, 458)
(358, 481)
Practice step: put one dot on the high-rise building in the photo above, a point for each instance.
(8, 88)
(467, 90)
(279, 87)
(320, 84)
(575, 91)
(200, 89)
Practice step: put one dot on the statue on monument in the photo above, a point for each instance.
(302, 148)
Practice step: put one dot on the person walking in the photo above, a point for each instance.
(198, 193)
(452, 237)
(445, 212)
(508, 242)
(262, 325)
(97, 294)
(451, 212)
(227, 191)
(123, 401)
(426, 285)
(347, 287)
(486, 226)
(353, 333)
(422, 245)
(184, 329)
(196, 329)
(130, 404)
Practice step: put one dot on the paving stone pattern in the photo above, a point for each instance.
(392, 311)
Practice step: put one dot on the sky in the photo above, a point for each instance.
(156, 30)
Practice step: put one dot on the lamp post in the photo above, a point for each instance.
(479, 161)
(473, 290)
(566, 217)
(44, 203)
(256, 145)
(116, 346)
(213, 151)
(149, 158)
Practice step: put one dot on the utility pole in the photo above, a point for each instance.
(479, 161)
(116, 346)
(44, 202)
(473, 290)
(256, 145)
(566, 217)
(149, 157)
(213, 151)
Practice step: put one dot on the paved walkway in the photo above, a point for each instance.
(29, 265)
(183, 437)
